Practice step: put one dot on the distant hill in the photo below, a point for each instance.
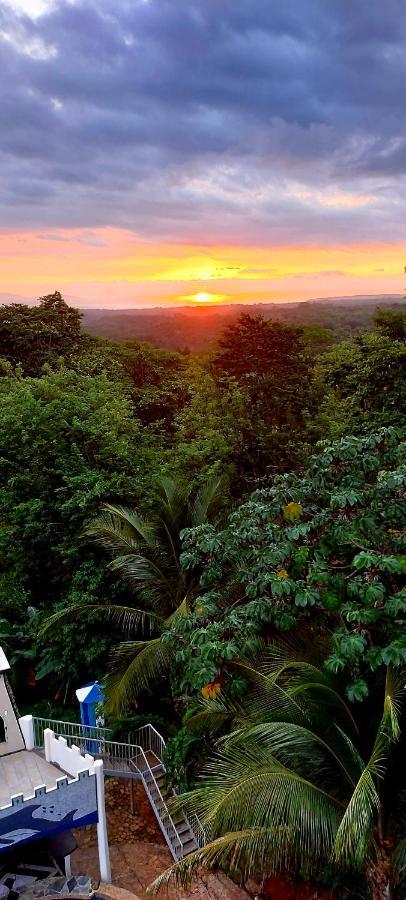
(196, 328)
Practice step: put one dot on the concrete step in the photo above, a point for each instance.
(189, 846)
(183, 828)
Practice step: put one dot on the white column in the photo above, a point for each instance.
(102, 836)
(48, 738)
(26, 724)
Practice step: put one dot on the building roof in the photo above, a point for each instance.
(90, 693)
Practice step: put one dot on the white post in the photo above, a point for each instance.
(102, 836)
(26, 724)
(48, 738)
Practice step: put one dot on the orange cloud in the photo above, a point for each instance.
(116, 265)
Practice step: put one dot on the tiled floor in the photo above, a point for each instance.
(21, 772)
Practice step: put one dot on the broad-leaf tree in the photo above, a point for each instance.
(34, 335)
(324, 550)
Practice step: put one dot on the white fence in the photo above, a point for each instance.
(67, 758)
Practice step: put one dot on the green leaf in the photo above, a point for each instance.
(357, 691)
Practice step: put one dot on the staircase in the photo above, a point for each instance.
(139, 757)
(176, 829)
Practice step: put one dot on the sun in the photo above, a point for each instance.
(205, 297)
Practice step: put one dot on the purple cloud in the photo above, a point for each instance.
(194, 117)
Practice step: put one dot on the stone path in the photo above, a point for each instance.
(134, 866)
(138, 852)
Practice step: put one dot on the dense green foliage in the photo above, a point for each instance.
(170, 522)
(38, 335)
(322, 550)
(146, 554)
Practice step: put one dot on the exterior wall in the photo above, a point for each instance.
(14, 739)
(49, 812)
(71, 804)
(71, 760)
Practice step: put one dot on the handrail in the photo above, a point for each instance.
(148, 738)
(170, 833)
(145, 739)
(198, 830)
(66, 729)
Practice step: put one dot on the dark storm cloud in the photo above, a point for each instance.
(163, 114)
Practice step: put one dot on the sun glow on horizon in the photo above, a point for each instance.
(108, 267)
(206, 297)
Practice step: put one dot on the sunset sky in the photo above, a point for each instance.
(157, 152)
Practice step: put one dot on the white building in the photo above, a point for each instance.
(45, 794)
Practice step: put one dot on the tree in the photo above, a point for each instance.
(391, 323)
(367, 378)
(323, 550)
(211, 432)
(145, 554)
(296, 784)
(66, 441)
(269, 364)
(34, 335)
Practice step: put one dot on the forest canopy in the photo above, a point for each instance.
(208, 532)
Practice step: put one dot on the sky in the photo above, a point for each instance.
(171, 152)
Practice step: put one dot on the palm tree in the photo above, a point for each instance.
(289, 786)
(145, 552)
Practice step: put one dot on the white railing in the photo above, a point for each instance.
(157, 801)
(128, 758)
(67, 730)
(148, 738)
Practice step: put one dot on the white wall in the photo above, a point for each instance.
(67, 758)
(71, 761)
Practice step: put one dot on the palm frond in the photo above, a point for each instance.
(394, 691)
(135, 666)
(129, 520)
(206, 501)
(245, 787)
(120, 531)
(127, 617)
(294, 744)
(399, 861)
(147, 578)
(182, 610)
(263, 817)
(268, 697)
(211, 718)
(174, 498)
(354, 835)
(244, 854)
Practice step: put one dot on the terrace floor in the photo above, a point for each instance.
(21, 772)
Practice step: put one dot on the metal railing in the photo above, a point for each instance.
(197, 829)
(128, 758)
(149, 739)
(159, 806)
(68, 730)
